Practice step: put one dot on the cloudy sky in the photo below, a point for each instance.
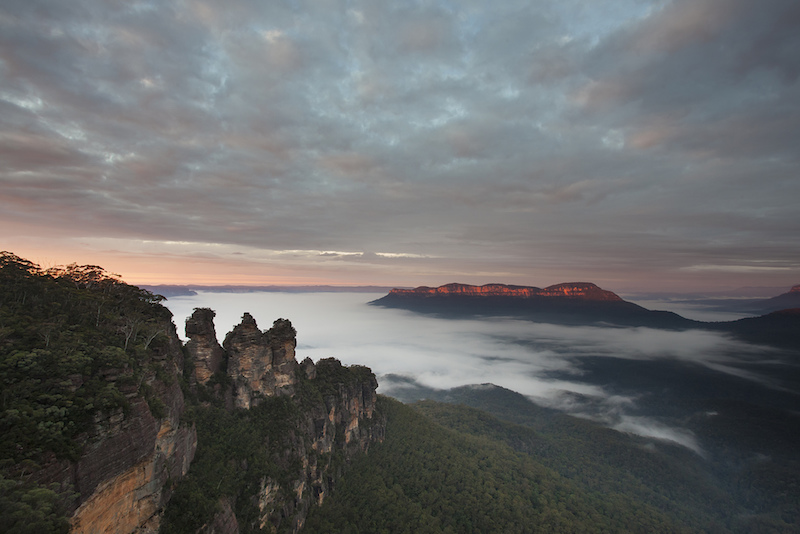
(637, 144)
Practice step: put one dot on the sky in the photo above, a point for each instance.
(638, 144)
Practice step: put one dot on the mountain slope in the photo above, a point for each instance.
(584, 304)
(447, 468)
(572, 303)
(790, 299)
(93, 416)
(102, 411)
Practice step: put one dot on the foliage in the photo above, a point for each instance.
(70, 338)
(730, 487)
(237, 450)
(26, 508)
(74, 341)
(428, 478)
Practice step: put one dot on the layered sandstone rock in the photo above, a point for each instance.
(203, 347)
(582, 290)
(334, 419)
(342, 425)
(119, 483)
(261, 364)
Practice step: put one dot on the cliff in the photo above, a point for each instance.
(576, 290)
(569, 303)
(261, 364)
(207, 354)
(129, 455)
(338, 421)
(103, 411)
(275, 435)
(93, 416)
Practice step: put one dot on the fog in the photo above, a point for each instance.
(446, 353)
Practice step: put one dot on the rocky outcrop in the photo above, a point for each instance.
(330, 432)
(119, 483)
(311, 419)
(203, 347)
(579, 290)
(578, 303)
(261, 364)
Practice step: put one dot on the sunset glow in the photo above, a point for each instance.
(639, 145)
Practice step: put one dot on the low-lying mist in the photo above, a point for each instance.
(541, 361)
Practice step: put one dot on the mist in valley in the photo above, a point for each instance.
(626, 378)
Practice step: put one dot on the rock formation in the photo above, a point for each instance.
(261, 364)
(95, 436)
(120, 480)
(203, 347)
(571, 303)
(310, 420)
(582, 290)
(126, 475)
(342, 425)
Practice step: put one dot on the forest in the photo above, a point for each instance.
(73, 347)
(447, 467)
(76, 344)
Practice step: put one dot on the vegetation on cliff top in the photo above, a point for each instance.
(74, 341)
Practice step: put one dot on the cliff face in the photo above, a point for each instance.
(205, 350)
(120, 480)
(578, 290)
(131, 501)
(304, 422)
(261, 364)
(94, 431)
(313, 454)
(577, 303)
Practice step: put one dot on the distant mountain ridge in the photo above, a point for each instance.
(178, 290)
(584, 303)
(577, 290)
(790, 299)
(566, 303)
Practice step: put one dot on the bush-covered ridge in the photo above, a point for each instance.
(73, 342)
(426, 478)
(76, 345)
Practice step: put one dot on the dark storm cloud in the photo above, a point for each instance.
(513, 137)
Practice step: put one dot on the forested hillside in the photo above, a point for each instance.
(101, 406)
(80, 351)
(451, 468)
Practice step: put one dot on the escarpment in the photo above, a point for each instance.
(570, 303)
(93, 432)
(120, 483)
(275, 435)
(103, 411)
(574, 290)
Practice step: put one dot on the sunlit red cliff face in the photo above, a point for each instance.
(576, 290)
